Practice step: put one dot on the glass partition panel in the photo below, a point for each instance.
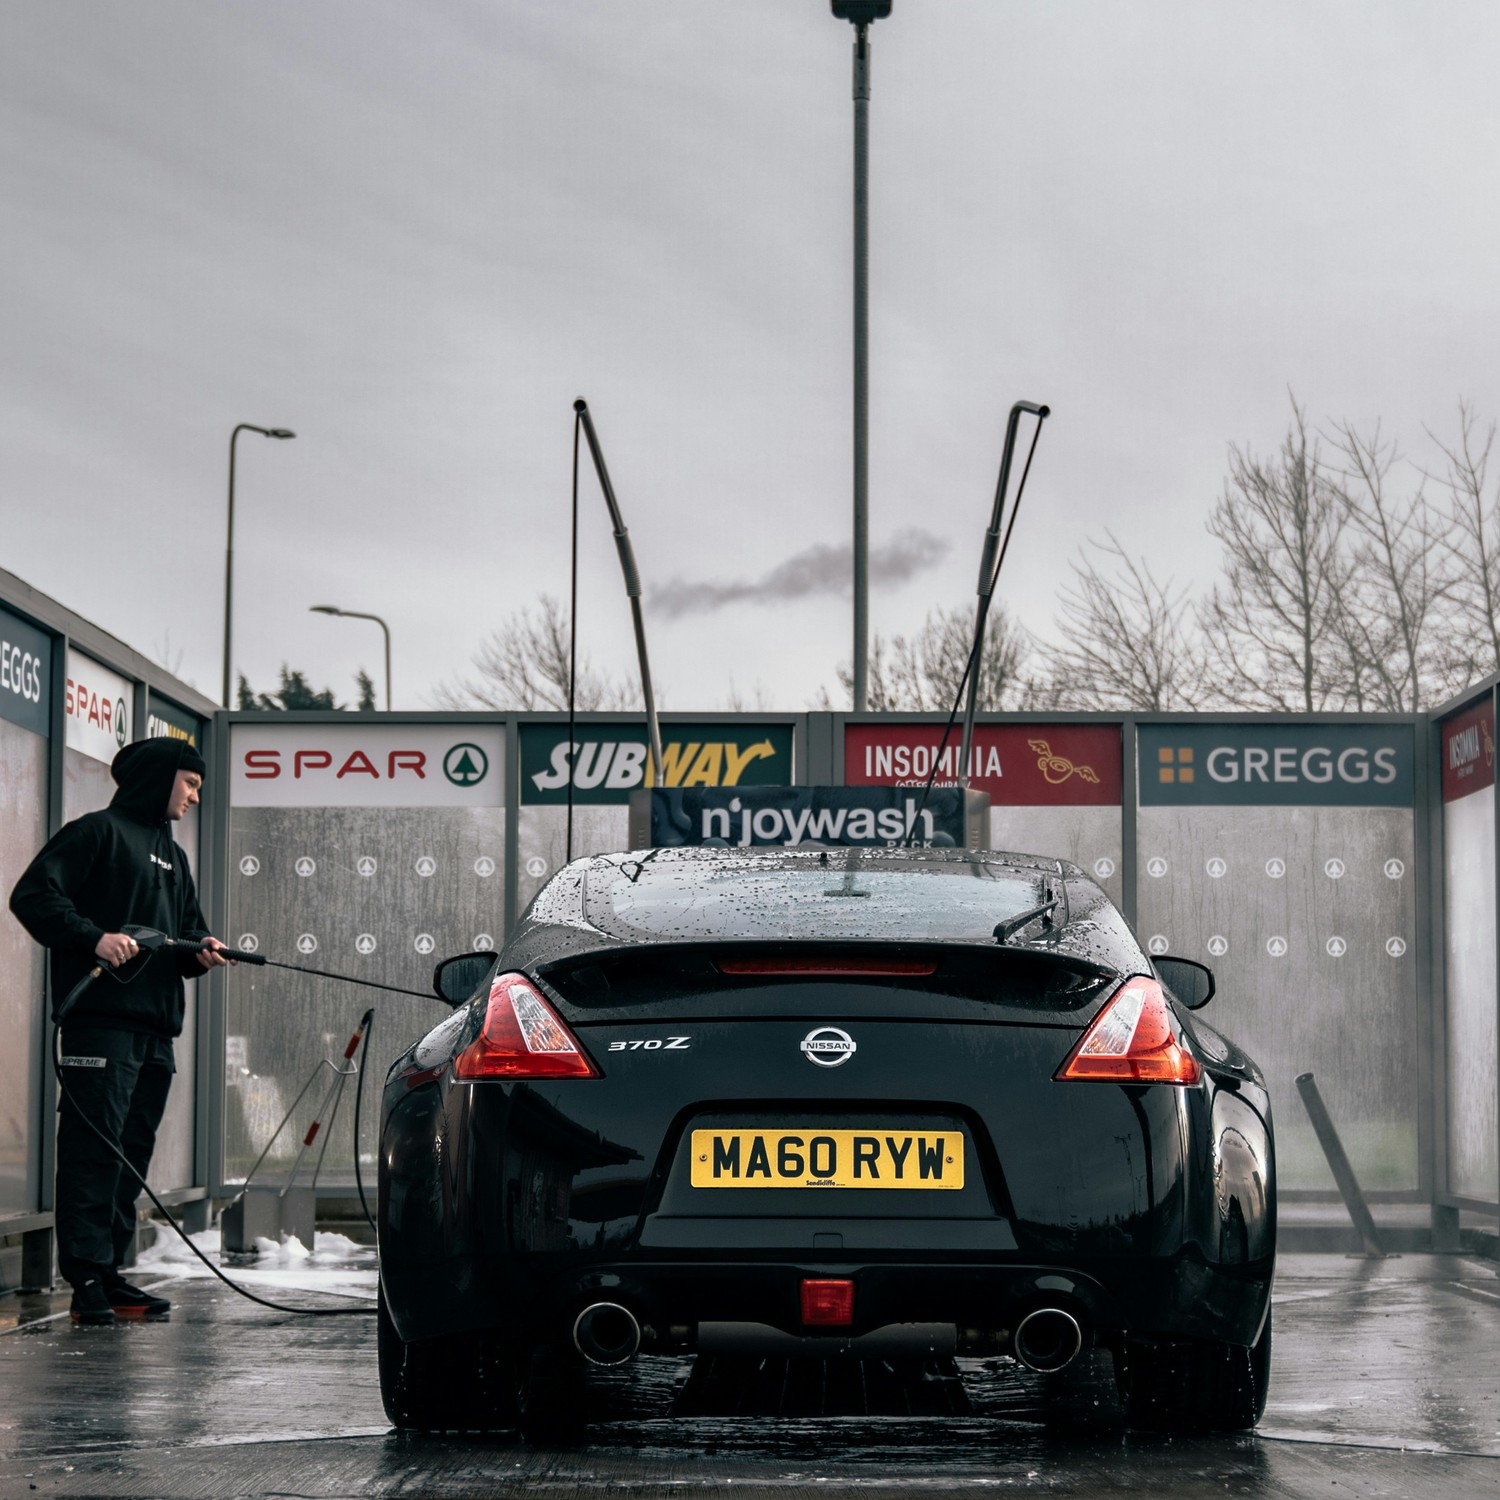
(23, 830)
(1468, 779)
(1281, 855)
(377, 893)
(358, 849)
(542, 840)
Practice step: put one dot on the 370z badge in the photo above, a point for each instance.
(828, 1047)
(654, 1044)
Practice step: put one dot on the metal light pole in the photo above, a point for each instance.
(270, 432)
(862, 14)
(355, 614)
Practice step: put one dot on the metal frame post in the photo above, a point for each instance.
(861, 366)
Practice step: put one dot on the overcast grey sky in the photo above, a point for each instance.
(415, 232)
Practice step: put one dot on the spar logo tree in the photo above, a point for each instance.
(466, 765)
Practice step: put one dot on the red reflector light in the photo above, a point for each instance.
(853, 966)
(522, 1037)
(827, 1303)
(1134, 1039)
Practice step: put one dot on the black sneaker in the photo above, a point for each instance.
(131, 1302)
(91, 1303)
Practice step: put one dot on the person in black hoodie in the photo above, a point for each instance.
(98, 874)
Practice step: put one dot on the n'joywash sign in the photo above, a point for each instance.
(356, 765)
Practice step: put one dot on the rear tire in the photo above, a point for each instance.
(459, 1383)
(552, 1399)
(1194, 1385)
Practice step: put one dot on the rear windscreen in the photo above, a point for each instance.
(842, 899)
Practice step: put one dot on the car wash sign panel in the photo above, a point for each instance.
(98, 708)
(1468, 750)
(853, 817)
(1277, 765)
(357, 765)
(607, 762)
(1019, 765)
(25, 674)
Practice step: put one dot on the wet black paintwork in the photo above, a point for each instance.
(506, 1206)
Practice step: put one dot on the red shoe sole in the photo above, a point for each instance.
(142, 1314)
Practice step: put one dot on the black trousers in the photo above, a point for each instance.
(119, 1080)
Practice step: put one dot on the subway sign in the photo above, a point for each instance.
(166, 721)
(605, 763)
(1277, 765)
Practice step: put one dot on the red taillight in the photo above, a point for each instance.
(1133, 1040)
(522, 1037)
(810, 964)
(827, 1303)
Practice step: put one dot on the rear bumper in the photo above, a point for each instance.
(535, 1300)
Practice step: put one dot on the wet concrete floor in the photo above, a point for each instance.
(1386, 1382)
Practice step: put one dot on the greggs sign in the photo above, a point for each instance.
(1278, 765)
(420, 765)
(1019, 765)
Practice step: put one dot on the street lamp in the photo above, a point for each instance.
(354, 614)
(861, 14)
(270, 432)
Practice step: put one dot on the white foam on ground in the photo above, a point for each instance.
(335, 1264)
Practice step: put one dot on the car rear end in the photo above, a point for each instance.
(719, 1113)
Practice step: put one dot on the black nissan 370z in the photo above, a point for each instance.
(824, 1103)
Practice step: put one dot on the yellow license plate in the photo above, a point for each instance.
(828, 1159)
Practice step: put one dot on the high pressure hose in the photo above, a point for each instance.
(359, 1092)
(150, 942)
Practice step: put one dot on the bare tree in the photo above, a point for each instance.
(922, 674)
(523, 664)
(1473, 548)
(1271, 625)
(1127, 640)
(1395, 581)
(165, 653)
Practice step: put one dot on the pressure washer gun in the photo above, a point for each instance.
(150, 941)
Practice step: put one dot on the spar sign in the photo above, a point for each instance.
(1019, 765)
(98, 707)
(607, 762)
(358, 765)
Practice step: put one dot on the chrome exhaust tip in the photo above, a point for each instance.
(1047, 1340)
(605, 1333)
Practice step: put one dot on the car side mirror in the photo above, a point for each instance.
(456, 979)
(1191, 982)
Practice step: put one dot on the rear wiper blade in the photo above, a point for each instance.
(1006, 930)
